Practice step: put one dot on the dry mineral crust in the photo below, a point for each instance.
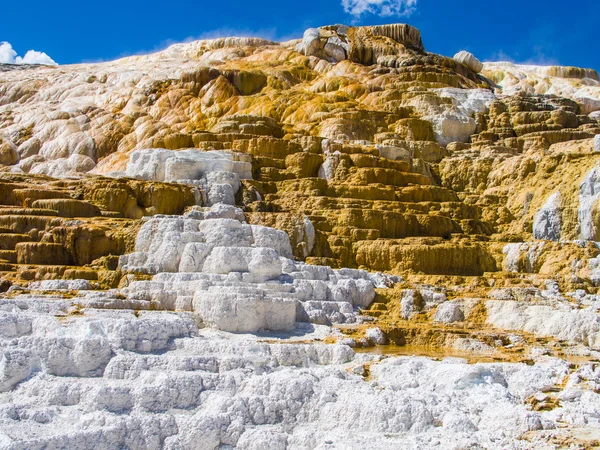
(239, 243)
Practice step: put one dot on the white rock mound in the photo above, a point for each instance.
(449, 312)
(190, 164)
(239, 277)
(559, 320)
(328, 44)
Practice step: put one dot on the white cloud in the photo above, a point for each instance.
(9, 56)
(35, 57)
(382, 8)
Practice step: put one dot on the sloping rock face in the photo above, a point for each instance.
(228, 244)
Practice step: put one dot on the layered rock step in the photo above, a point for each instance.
(374, 192)
(362, 198)
(53, 228)
(233, 276)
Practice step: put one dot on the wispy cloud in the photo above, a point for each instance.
(536, 57)
(540, 46)
(540, 57)
(500, 56)
(381, 8)
(269, 34)
(9, 56)
(265, 33)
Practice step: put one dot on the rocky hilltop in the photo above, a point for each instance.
(334, 242)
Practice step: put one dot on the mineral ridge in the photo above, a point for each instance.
(341, 241)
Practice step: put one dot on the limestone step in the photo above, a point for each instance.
(6, 267)
(33, 272)
(113, 214)
(8, 241)
(426, 255)
(392, 225)
(32, 194)
(323, 261)
(27, 212)
(325, 313)
(24, 223)
(390, 177)
(43, 253)
(68, 207)
(8, 255)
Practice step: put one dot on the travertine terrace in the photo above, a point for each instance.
(341, 241)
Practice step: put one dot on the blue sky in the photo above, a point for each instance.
(532, 31)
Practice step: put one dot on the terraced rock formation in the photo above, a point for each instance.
(76, 229)
(244, 243)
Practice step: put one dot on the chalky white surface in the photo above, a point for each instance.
(106, 370)
(217, 173)
(546, 313)
(239, 277)
(457, 123)
(112, 379)
(589, 193)
(469, 60)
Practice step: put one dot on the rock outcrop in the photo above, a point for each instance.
(469, 60)
(192, 241)
(364, 45)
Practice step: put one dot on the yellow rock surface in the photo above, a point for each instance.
(366, 149)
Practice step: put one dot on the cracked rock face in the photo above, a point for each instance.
(339, 241)
(547, 221)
